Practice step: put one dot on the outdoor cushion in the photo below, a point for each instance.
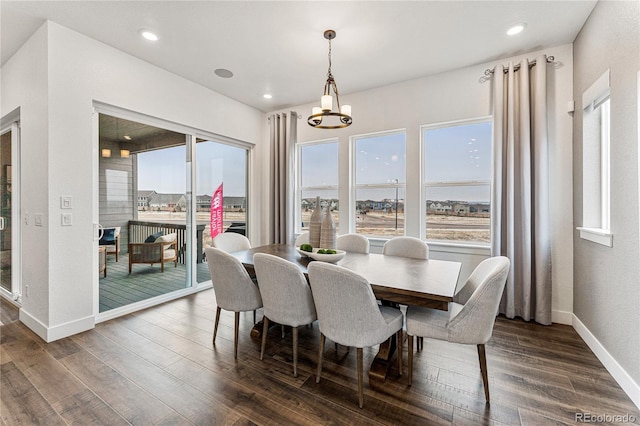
(108, 237)
(152, 238)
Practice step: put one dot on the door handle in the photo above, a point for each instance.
(98, 231)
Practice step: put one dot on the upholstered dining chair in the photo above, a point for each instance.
(286, 298)
(231, 241)
(234, 289)
(354, 243)
(406, 247)
(469, 322)
(349, 314)
(302, 239)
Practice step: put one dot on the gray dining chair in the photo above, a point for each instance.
(235, 290)
(349, 314)
(302, 239)
(286, 298)
(468, 322)
(354, 243)
(406, 247)
(231, 241)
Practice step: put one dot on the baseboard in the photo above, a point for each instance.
(49, 334)
(562, 317)
(625, 381)
(33, 324)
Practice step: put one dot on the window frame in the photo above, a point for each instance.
(424, 185)
(596, 146)
(299, 189)
(354, 186)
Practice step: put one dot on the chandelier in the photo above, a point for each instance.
(318, 114)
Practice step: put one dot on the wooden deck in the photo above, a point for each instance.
(158, 366)
(120, 288)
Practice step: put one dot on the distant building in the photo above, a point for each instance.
(203, 203)
(167, 202)
(232, 204)
(143, 199)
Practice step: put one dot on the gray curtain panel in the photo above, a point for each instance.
(283, 136)
(520, 222)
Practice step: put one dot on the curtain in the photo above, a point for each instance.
(283, 134)
(520, 220)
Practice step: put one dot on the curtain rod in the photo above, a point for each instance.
(489, 71)
(296, 114)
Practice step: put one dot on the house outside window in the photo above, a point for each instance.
(317, 176)
(379, 176)
(457, 181)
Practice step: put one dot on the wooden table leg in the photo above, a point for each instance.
(384, 358)
(256, 330)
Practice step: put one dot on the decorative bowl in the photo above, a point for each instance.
(331, 258)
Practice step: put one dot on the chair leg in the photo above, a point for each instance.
(483, 369)
(282, 330)
(336, 346)
(235, 335)
(215, 327)
(400, 338)
(265, 330)
(320, 351)
(360, 379)
(420, 343)
(254, 316)
(295, 351)
(410, 360)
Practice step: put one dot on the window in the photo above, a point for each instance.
(380, 178)
(317, 176)
(595, 163)
(457, 181)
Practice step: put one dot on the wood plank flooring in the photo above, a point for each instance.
(158, 366)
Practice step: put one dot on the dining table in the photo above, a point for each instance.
(395, 280)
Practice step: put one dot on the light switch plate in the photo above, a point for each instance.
(37, 219)
(67, 219)
(66, 202)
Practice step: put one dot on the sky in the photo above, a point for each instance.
(457, 153)
(164, 170)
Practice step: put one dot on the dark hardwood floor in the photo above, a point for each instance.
(158, 366)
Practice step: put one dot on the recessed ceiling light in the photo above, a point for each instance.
(267, 96)
(516, 29)
(148, 35)
(127, 137)
(221, 72)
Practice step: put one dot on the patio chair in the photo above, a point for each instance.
(111, 241)
(162, 250)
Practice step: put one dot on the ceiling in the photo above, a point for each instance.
(279, 48)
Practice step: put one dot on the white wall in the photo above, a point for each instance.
(451, 96)
(81, 71)
(607, 279)
(24, 84)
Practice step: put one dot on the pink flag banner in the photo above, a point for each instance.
(216, 213)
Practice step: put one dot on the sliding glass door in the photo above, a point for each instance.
(9, 212)
(143, 211)
(221, 200)
(156, 213)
